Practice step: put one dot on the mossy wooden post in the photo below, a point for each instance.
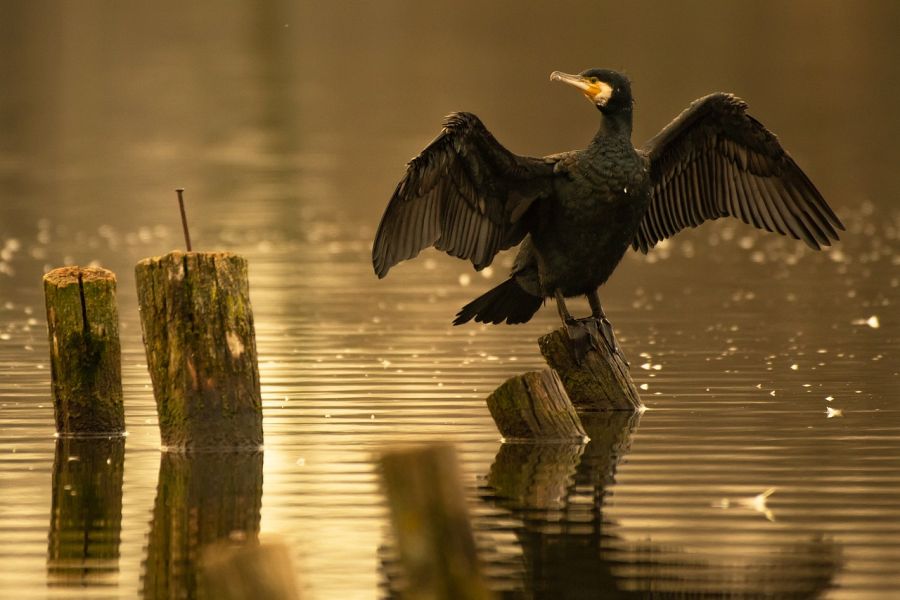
(248, 572)
(201, 349)
(534, 406)
(431, 524)
(85, 355)
(600, 381)
(86, 513)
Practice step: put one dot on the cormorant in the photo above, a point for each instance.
(575, 213)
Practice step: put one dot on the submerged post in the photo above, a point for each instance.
(598, 381)
(201, 349)
(431, 524)
(535, 406)
(85, 354)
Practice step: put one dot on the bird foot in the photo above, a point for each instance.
(587, 334)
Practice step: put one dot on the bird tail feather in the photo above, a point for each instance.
(506, 302)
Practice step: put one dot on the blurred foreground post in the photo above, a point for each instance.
(431, 524)
(201, 349)
(534, 406)
(248, 572)
(85, 356)
(600, 381)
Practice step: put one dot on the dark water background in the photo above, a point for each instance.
(289, 124)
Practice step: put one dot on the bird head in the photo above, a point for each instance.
(608, 90)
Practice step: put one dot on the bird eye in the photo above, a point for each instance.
(594, 80)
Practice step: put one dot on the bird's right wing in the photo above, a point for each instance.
(714, 160)
(464, 194)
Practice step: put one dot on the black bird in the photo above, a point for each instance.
(576, 213)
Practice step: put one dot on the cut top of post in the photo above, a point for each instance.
(176, 255)
(64, 276)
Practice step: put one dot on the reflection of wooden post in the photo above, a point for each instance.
(600, 381)
(557, 492)
(201, 498)
(248, 572)
(610, 434)
(86, 514)
(201, 349)
(431, 524)
(85, 357)
(534, 406)
(534, 476)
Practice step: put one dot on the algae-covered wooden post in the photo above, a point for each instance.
(248, 572)
(598, 381)
(201, 349)
(85, 355)
(534, 406)
(431, 524)
(86, 513)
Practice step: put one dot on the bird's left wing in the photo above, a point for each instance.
(715, 160)
(464, 194)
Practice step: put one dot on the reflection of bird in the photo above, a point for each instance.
(576, 212)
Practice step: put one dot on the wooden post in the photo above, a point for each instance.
(431, 524)
(86, 514)
(201, 498)
(534, 406)
(248, 572)
(85, 356)
(201, 349)
(600, 381)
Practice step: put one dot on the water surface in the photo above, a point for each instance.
(289, 126)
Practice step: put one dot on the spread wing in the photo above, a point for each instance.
(464, 194)
(714, 160)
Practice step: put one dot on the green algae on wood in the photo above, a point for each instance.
(431, 525)
(201, 349)
(534, 406)
(600, 381)
(85, 353)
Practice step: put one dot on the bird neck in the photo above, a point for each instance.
(615, 125)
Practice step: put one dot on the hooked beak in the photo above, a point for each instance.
(598, 93)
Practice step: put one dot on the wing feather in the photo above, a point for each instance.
(714, 160)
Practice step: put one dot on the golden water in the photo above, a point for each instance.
(289, 126)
